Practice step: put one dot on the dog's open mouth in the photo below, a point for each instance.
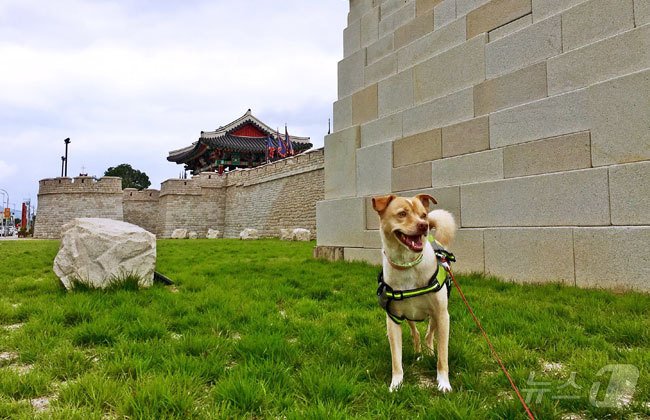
(412, 242)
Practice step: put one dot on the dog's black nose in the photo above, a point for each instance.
(422, 227)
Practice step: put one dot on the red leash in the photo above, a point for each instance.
(494, 352)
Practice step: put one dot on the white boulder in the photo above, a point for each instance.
(179, 234)
(249, 233)
(213, 234)
(286, 235)
(300, 234)
(192, 235)
(99, 251)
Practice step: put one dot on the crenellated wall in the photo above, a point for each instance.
(279, 195)
(62, 199)
(528, 119)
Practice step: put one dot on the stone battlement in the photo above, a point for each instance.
(132, 194)
(80, 184)
(309, 161)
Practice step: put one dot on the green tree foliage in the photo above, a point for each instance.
(131, 178)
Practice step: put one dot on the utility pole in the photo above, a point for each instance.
(62, 163)
(67, 142)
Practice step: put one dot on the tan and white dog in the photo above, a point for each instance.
(409, 262)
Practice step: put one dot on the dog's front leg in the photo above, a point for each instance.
(442, 322)
(394, 331)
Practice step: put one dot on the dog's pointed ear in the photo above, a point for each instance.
(426, 200)
(381, 202)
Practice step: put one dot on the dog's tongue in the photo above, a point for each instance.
(413, 242)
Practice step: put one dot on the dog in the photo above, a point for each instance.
(409, 262)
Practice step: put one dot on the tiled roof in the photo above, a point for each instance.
(221, 138)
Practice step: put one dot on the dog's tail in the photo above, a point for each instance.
(443, 222)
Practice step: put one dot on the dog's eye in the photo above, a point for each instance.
(424, 215)
(402, 213)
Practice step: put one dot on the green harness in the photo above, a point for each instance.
(440, 278)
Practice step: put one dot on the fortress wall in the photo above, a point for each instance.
(62, 199)
(529, 120)
(279, 195)
(141, 208)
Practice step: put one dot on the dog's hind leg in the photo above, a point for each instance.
(395, 340)
(416, 337)
(428, 339)
(443, 343)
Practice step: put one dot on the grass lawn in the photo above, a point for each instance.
(260, 329)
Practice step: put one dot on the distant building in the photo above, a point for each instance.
(242, 143)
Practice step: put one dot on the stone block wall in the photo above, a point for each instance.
(62, 199)
(274, 197)
(141, 208)
(528, 119)
(279, 195)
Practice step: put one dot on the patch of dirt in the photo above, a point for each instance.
(573, 416)
(21, 369)
(176, 336)
(12, 327)
(8, 356)
(42, 404)
(552, 367)
(426, 382)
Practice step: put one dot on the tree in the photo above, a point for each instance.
(131, 178)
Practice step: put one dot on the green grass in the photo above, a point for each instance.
(260, 329)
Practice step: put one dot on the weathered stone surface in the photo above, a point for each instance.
(523, 48)
(213, 234)
(466, 137)
(98, 252)
(439, 112)
(641, 12)
(396, 93)
(431, 44)
(340, 222)
(393, 20)
(340, 162)
(576, 198)
(530, 254)
(350, 73)
(364, 105)
(359, 8)
(613, 257)
(179, 234)
(466, 169)
(352, 38)
(612, 57)
(330, 253)
(463, 7)
(521, 86)
(460, 67)
(510, 28)
(548, 117)
(372, 218)
(342, 114)
(300, 234)
(423, 6)
(546, 8)
(374, 165)
(381, 130)
(418, 27)
(417, 148)
(629, 189)
(380, 48)
(192, 235)
(494, 14)
(594, 20)
(609, 104)
(370, 27)
(444, 13)
(543, 156)
(381, 69)
(286, 234)
(371, 256)
(249, 233)
(411, 177)
(469, 252)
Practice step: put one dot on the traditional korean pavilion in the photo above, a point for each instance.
(242, 143)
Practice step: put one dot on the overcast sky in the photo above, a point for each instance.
(130, 80)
